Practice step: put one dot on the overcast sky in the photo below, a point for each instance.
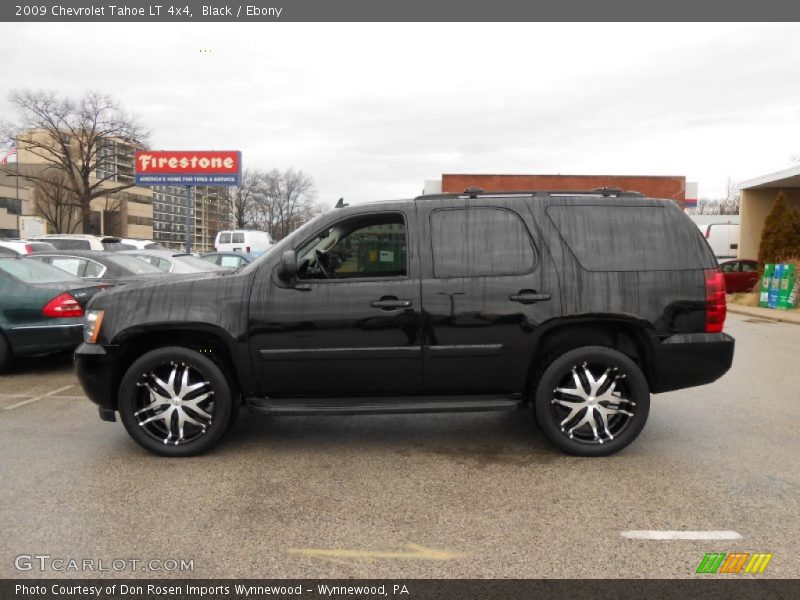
(370, 111)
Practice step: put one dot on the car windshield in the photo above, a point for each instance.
(132, 263)
(33, 271)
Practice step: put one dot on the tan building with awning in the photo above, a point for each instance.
(757, 198)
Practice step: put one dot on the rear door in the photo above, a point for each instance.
(483, 293)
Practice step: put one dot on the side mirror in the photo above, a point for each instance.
(288, 267)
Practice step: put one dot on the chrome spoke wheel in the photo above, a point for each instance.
(174, 404)
(592, 403)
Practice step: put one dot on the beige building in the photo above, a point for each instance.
(757, 198)
(151, 213)
(127, 213)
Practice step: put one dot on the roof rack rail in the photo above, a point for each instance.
(476, 192)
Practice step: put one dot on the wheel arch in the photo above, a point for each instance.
(619, 333)
(210, 341)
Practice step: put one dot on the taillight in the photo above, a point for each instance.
(28, 249)
(715, 301)
(64, 305)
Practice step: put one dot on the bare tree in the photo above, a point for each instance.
(729, 205)
(292, 195)
(246, 197)
(53, 199)
(68, 135)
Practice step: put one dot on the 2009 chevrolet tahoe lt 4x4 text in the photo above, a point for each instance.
(581, 304)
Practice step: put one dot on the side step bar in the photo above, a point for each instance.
(389, 405)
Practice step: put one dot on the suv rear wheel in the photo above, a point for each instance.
(592, 401)
(175, 402)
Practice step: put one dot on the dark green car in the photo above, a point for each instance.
(41, 308)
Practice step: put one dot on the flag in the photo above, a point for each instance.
(9, 155)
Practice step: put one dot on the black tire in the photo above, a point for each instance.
(159, 435)
(5, 353)
(559, 413)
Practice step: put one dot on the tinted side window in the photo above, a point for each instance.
(238, 238)
(224, 238)
(480, 242)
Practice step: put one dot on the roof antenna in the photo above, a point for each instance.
(340, 203)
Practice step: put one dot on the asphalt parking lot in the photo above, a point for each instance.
(467, 495)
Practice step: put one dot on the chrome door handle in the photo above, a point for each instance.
(390, 303)
(528, 297)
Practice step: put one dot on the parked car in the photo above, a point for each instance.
(723, 237)
(26, 247)
(113, 268)
(453, 302)
(142, 244)
(174, 262)
(41, 308)
(242, 240)
(740, 275)
(74, 241)
(228, 260)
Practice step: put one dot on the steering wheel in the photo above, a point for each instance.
(321, 263)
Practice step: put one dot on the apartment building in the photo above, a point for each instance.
(155, 213)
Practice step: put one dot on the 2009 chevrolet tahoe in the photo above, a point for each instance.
(581, 304)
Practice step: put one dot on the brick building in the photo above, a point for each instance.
(654, 186)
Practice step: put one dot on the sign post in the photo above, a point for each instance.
(188, 168)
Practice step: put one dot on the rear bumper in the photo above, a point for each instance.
(96, 369)
(690, 359)
(33, 339)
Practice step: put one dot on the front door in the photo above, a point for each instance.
(486, 287)
(350, 323)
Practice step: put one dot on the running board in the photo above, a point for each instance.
(389, 405)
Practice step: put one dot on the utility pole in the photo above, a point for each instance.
(187, 220)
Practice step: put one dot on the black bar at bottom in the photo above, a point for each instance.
(707, 587)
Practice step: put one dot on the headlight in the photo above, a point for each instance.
(91, 326)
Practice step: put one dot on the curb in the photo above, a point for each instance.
(764, 313)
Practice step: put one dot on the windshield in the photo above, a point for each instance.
(133, 264)
(32, 271)
(286, 243)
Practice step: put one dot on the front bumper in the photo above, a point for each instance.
(96, 368)
(690, 359)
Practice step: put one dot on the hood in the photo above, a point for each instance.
(166, 281)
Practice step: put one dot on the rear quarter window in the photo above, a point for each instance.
(631, 238)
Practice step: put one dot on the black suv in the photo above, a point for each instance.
(581, 304)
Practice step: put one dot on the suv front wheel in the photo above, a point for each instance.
(175, 402)
(592, 401)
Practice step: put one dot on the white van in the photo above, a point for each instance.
(723, 237)
(246, 241)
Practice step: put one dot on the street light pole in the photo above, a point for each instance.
(187, 220)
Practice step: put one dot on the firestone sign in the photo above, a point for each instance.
(203, 167)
